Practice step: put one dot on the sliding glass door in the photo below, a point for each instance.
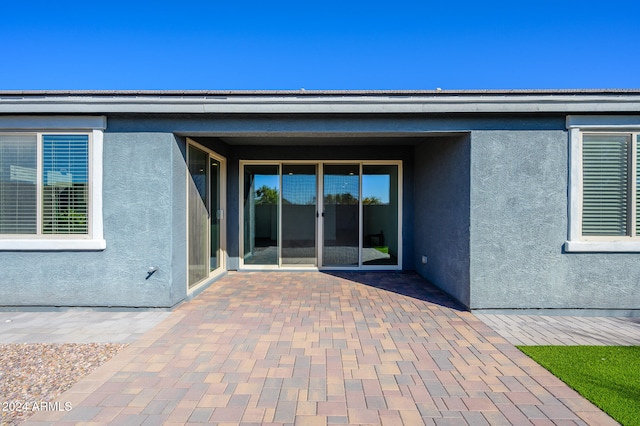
(299, 213)
(341, 229)
(198, 211)
(339, 215)
(205, 214)
(216, 214)
(360, 221)
(261, 214)
(379, 214)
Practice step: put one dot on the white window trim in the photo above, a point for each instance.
(577, 125)
(93, 125)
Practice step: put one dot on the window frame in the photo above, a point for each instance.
(320, 163)
(93, 127)
(220, 213)
(579, 126)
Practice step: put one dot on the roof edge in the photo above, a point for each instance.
(253, 93)
(321, 102)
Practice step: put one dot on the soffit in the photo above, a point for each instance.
(331, 141)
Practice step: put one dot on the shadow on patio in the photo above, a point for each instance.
(407, 284)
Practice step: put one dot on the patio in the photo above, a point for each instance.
(315, 348)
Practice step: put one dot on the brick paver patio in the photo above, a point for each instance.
(310, 348)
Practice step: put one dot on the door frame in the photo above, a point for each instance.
(319, 223)
(280, 225)
(222, 250)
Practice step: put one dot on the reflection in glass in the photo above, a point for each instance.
(380, 215)
(198, 215)
(65, 178)
(18, 184)
(299, 215)
(214, 184)
(261, 199)
(341, 224)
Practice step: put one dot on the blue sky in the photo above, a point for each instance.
(319, 45)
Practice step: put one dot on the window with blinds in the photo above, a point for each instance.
(65, 179)
(44, 184)
(18, 184)
(609, 205)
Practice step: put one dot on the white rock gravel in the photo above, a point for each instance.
(36, 373)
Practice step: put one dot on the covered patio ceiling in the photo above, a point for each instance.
(325, 140)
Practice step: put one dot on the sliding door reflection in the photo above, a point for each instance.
(299, 215)
(261, 200)
(341, 218)
(216, 212)
(380, 215)
(198, 213)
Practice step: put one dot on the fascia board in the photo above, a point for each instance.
(603, 122)
(25, 122)
(322, 104)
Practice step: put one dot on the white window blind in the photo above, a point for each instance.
(637, 185)
(18, 184)
(605, 165)
(65, 180)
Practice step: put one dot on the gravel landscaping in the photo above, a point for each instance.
(36, 373)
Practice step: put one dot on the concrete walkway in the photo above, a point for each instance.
(315, 349)
(528, 330)
(77, 326)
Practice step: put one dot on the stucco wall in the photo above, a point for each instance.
(139, 226)
(489, 210)
(519, 225)
(441, 214)
(178, 282)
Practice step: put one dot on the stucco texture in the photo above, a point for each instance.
(441, 214)
(138, 220)
(519, 225)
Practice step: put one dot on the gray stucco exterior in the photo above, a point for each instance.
(144, 224)
(442, 232)
(519, 225)
(485, 191)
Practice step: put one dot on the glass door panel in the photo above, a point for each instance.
(380, 215)
(198, 215)
(341, 215)
(299, 193)
(214, 184)
(261, 200)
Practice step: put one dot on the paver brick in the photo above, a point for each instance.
(319, 348)
(558, 412)
(596, 418)
(332, 409)
(479, 404)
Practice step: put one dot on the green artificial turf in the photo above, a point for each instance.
(608, 376)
